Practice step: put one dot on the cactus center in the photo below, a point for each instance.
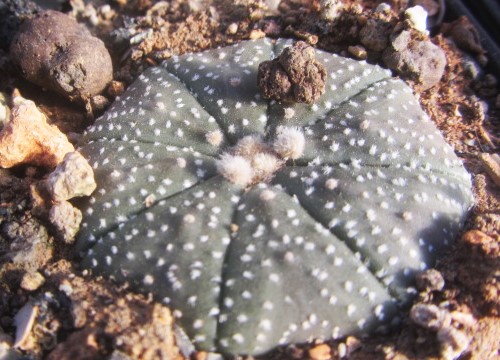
(253, 160)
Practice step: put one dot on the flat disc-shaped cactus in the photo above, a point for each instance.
(324, 244)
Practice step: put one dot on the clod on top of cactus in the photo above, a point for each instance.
(262, 224)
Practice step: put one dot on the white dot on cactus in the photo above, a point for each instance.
(274, 277)
(289, 113)
(289, 257)
(148, 279)
(331, 183)
(407, 216)
(198, 324)
(364, 124)
(268, 305)
(181, 162)
(267, 195)
(265, 324)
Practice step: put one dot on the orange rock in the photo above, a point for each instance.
(320, 352)
(257, 34)
(202, 355)
(476, 237)
(28, 139)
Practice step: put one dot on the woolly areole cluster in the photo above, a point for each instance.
(261, 224)
(252, 161)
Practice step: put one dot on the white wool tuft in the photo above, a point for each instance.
(289, 142)
(267, 195)
(265, 165)
(214, 137)
(235, 168)
(289, 113)
(250, 145)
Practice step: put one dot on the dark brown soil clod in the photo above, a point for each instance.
(54, 51)
(294, 76)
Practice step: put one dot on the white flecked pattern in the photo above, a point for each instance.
(326, 247)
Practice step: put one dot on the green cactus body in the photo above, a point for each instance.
(325, 247)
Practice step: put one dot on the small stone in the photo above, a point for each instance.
(272, 5)
(24, 321)
(331, 9)
(116, 88)
(28, 139)
(4, 110)
(383, 8)
(98, 103)
(431, 6)
(358, 51)
(257, 34)
(55, 52)
(66, 219)
(453, 342)
(31, 281)
(353, 344)
(420, 60)
(430, 280)
(66, 287)
(40, 200)
(272, 27)
(31, 247)
(203, 355)
(374, 35)
(476, 237)
(342, 350)
(72, 178)
(428, 316)
(417, 18)
(320, 352)
(232, 29)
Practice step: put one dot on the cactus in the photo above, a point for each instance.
(263, 224)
